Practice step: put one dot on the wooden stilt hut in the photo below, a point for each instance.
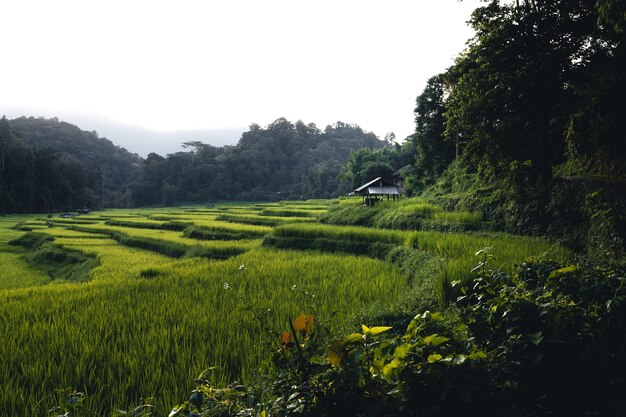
(376, 190)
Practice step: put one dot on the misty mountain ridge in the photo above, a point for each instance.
(138, 139)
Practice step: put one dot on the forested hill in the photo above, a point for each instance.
(47, 165)
(283, 160)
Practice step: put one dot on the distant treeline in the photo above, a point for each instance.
(283, 160)
(47, 165)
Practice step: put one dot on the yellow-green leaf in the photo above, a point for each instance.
(388, 369)
(401, 351)
(435, 357)
(353, 338)
(477, 355)
(365, 328)
(435, 340)
(439, 340)
(373, 331)
(436, 316)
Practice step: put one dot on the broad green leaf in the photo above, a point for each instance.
(373, 331)
(353, 338)
(462, 327)
(435, 340)
(435, 357)
(439, 340)
(401, 351)
(388, 369)
(477, 355)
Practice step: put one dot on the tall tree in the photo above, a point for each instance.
(433, 151)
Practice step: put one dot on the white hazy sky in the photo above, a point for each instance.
(174, 65)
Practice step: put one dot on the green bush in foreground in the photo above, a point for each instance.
(548, 340)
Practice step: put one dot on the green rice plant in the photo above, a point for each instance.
(303, 205)
(175, 225)
(60, 232)
(168, 243)
(284, 212)
(122, 338)
(252, 230)
(471, 217)
(418, 208)
(141, 223)
(74, 221)
(323, 203)
(459, 252)
(267, 221)
(350, 201)
(167, 217)
(146, 324)
(17, 273)
(31, 240)
(220, 233)
(349, 233)
(396, 219)
(348, 214)
(116, 262)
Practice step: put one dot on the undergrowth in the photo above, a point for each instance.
(547, 340)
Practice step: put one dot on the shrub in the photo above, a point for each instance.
(547, 340)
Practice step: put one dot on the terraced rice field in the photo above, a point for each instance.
(160, 305)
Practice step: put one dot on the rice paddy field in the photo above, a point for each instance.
(129, 304)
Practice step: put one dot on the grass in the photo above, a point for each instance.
(268, 221)
(119, 339)
(457, 251)
(285, 212)
(406, 214)
(16, 271)
(159, 307)
(347, 233)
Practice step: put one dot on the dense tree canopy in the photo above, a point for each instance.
(48, 165)
(541, 82)
(283, 160)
